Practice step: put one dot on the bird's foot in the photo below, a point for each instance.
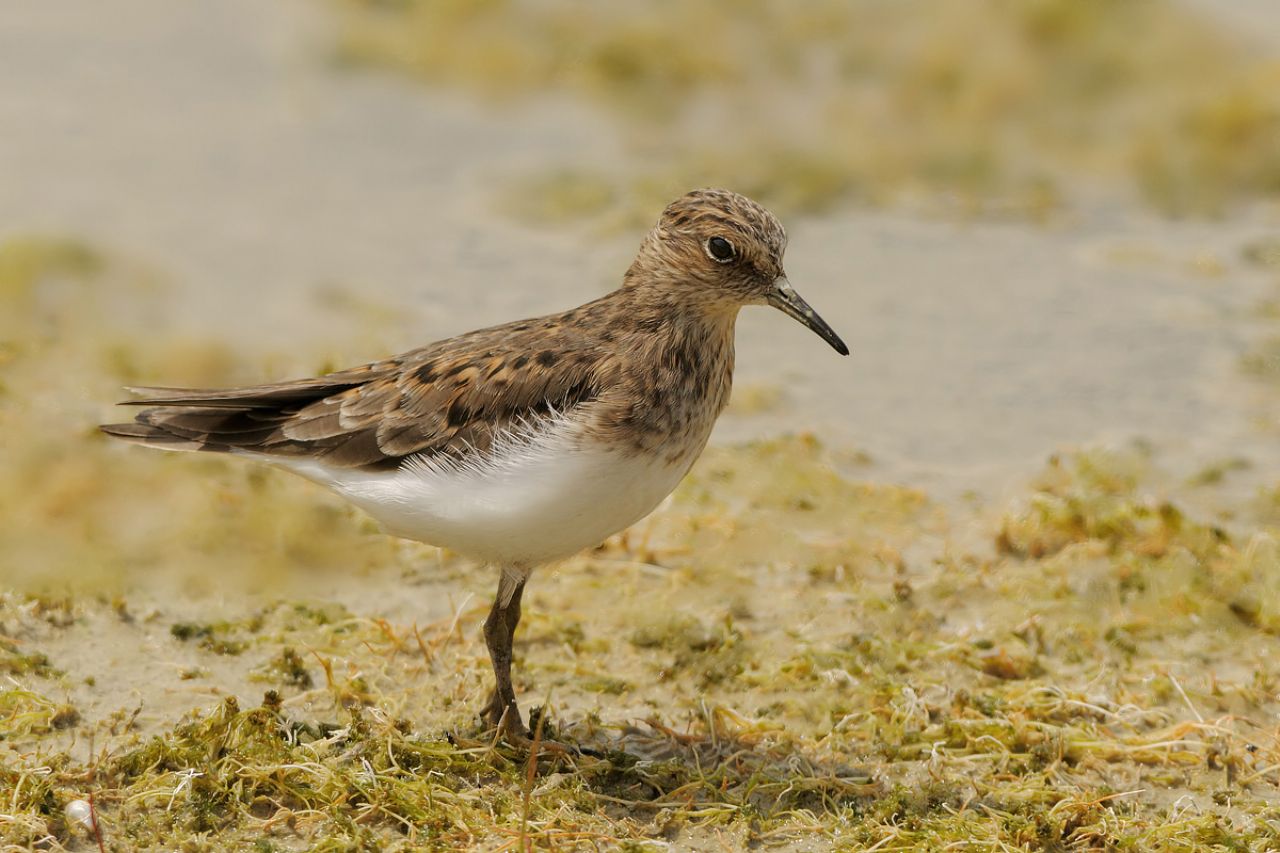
(505, 717)
(505, 720)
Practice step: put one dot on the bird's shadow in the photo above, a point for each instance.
(648, 765)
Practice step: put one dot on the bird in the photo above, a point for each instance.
(521, 444)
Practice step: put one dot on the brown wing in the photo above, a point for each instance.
(443, 398)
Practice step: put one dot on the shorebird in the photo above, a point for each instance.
(525, 443)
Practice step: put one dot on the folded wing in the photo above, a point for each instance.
(447, 398)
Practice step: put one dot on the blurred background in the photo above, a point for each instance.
(1038, 224)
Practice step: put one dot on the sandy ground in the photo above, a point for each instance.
(1256, 20)
(217, 144)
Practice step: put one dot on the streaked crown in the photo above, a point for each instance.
(716, 242)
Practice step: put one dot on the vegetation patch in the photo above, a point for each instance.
(784, 655)
(1102, 675)
(13, 661)
(989, 108)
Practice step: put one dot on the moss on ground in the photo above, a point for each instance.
(989, 108)
(782, 656)
(1105, 675)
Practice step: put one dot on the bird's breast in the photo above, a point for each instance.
(671, 395)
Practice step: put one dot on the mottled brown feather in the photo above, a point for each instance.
(643, 366)
(448, 397)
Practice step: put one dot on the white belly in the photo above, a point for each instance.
(538, 496)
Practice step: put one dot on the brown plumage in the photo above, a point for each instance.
(641, 374)
(445, 398)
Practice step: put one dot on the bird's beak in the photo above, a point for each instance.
(785, 299)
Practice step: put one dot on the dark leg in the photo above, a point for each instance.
(499, 630)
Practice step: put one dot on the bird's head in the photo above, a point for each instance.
(721, 249)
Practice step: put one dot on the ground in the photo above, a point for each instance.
(783, 656)
(1007, 578)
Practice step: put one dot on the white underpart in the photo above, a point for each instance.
(540, 493)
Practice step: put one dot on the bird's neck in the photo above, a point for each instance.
(678, 367)
(678, 329)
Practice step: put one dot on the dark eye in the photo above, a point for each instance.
(719, 250)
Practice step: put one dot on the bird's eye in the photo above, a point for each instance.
(719, 250)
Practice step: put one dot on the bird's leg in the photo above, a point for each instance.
(499, 630)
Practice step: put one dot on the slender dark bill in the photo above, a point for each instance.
(786, 300)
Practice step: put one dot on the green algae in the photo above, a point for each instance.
(13, 661)
(994, 109)
(1077, 692)
(785, 655)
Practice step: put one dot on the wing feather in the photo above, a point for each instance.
(447, 398)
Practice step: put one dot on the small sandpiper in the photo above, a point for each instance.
(524, 443)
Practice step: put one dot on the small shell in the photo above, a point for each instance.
(79, 811)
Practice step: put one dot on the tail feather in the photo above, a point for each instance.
(200, 428)
(274, 420)
(223, 419)
(254, 396)
(150, 436)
